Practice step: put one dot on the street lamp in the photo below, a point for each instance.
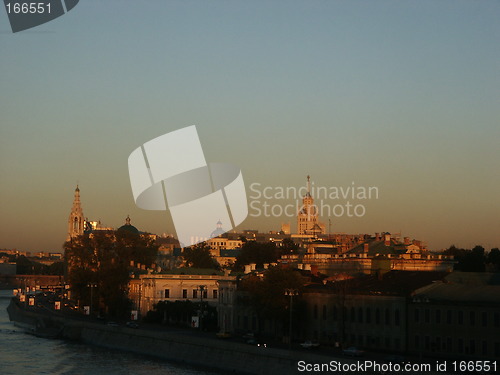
(91, 286)
(291, 293)
(201, 288)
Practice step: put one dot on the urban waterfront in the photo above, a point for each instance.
(21, 353)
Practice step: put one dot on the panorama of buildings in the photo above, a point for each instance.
(375, 291)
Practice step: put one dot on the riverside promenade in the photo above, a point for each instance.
(182, 346)
(199, 349)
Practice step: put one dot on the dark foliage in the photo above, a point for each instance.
(199, 256)
(104, 259)
(256, 252)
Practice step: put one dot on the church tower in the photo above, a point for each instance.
(307, 217)
(76, 221)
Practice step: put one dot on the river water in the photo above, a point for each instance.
(21, 353)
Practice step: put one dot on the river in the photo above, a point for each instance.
(21, 353)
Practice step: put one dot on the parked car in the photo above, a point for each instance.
(112, 324)
(132, 325)
(309, 344)
(353, 352)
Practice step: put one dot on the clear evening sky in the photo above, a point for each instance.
(401, 95)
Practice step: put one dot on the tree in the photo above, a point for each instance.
(468, 260)
(256, 252)
(267, 294)
(199, 256)
(494, 259)
(103, 258)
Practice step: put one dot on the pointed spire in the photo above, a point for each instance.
(127, 220)
(76, 221)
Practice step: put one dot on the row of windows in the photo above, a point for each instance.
(472, 317)
(360, 315)
(461, 346)
(195, 293)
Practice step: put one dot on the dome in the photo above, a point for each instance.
(128, 227)
(218, 231)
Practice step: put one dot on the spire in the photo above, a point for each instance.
(308, 184)
(127, 220)
(76, 221)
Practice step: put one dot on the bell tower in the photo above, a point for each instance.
(76, 221)
(307, 218)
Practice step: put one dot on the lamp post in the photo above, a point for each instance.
(91, 286)
(290, 293)
(201, 288)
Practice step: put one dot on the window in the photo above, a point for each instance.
(184, 293)
(324, 312)
(484, 319)
(377, 316)
(438, 316)
(496, 319)
(353, 314)
(360, 315)
(460, 317)
(315, 311)
(195, 293)
(472, 318)
(396, 344)
(472, 347)
(416, 315)
(335, 313)
(167, 293)
(205, 294)
(427, 316)
(368, 315)
(214, 294)
(460, 346)
(387, 317)
(485, 348)
(396, 317)
(448, 316)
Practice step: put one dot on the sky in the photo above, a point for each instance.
(398, 95)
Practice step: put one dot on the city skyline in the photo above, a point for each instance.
(395, 95)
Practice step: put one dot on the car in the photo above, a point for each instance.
(309, 344)
(112, 324)
(132, 325)
(353, 352)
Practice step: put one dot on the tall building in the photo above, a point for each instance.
(76, 221)
(307, 217)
